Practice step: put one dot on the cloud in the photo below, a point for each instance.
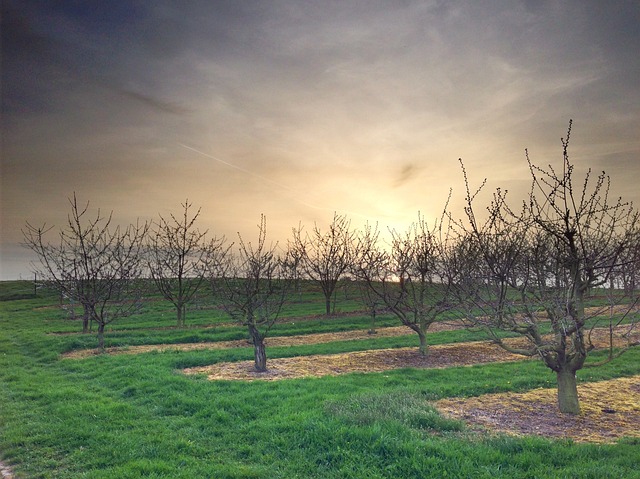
(406, 173)
(151, 102)
(358, 106)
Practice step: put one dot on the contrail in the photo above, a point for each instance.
(263, 178)
(235, 167)
(293, 193)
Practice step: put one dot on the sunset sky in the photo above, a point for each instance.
(299, 109)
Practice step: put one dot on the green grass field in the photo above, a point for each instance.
(135, 416)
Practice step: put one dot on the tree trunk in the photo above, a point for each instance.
(568, 392)
(372, 329)
(101, 336)
(181, 310)
(328, 305)
(424, 347)
(259, 350)
(85, 320)
(72, 310)
(260, 355)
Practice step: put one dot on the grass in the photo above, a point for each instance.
(137, 416)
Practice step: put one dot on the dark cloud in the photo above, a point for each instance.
(407, 172)
(31, 64)
(152, 102)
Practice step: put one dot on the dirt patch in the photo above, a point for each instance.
(5, 471)
(440, 356)
(610, 411)
(378, 360)
(300, 340)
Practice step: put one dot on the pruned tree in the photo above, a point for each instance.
(254, 287)
(326, 257)
(627, 275)
(367, 267)
(530, 270)
(93, 263)
(411, 279)
(180, 258)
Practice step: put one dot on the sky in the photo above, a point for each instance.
(302, 109)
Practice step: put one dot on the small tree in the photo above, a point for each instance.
(93, 264)
(254, 287)
(533, 269)
(367, 267)
(627, 275)
(325, 258)
(411, 279)
(180, 258)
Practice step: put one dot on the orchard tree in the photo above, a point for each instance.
(627, 275)
(93, 263)
(411, 279)
(326, 257)
(254, 286)
(368, 267)
(180, 258)
(529, 270)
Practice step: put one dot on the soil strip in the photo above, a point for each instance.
(610, 410)
(378, 360)
(316, 338)
(5, 471)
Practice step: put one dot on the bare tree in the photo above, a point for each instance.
(254, 287)
(326, 257)
(411, 279)
(532, 269)
(627, 275)
(180, 258)
(93, 264)
(368, 267)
